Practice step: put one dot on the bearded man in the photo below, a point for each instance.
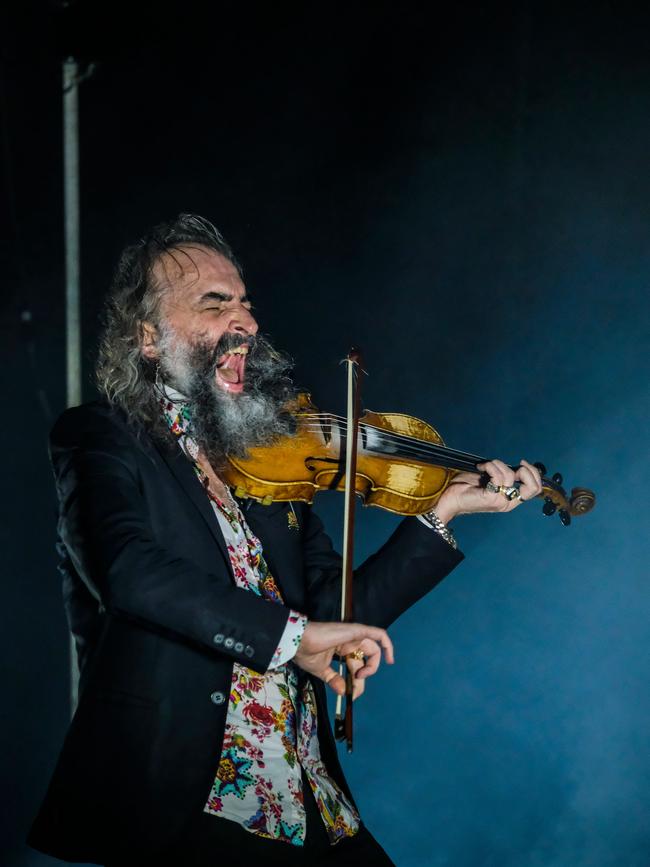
(205, 627)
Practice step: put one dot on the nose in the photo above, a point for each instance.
(242, 321)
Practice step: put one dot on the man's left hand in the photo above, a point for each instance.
(466, 493)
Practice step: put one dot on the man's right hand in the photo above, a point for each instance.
(320, 641)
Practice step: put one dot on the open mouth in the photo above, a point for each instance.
(230, 368)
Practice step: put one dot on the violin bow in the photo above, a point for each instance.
(343, 722)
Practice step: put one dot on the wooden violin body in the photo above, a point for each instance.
(390, 460)
(402, 465)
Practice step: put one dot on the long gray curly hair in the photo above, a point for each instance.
(124, 376)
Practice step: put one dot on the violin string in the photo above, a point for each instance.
(438, 455)
(429, 455)
(404, 438)
(455, 459)
(407, 446)
(412, 446)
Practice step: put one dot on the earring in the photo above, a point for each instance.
(158, 379)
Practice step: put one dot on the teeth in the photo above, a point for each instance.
(240, 350)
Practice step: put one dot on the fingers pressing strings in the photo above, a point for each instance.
(516, 486)
(531, 480)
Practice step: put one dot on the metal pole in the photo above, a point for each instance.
(71, 217)
(72, 269)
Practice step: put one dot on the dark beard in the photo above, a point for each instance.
(230, 424)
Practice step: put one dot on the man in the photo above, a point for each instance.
(205, 627)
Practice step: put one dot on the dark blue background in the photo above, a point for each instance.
(466, 197)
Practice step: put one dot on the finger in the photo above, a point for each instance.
(493, 471)
(536, 473)
(354, 664)
(372, 658)
(372, 653)
(358, 685)
(507, 474)
(334, 680)
(381, 637)
(357, 632)
(529, 484)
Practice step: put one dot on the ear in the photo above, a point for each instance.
(149, 340)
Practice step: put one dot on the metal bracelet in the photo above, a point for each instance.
(440, 528)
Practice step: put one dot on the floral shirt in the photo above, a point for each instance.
(271, 725)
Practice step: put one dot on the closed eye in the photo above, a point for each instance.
(246, 304)
(223, 298)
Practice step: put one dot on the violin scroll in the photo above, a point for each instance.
(581, 501)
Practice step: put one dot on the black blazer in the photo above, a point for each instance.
(158, 623)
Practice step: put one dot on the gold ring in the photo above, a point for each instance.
(356, 654)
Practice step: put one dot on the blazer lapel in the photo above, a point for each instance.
(184, 473)
(270, 525)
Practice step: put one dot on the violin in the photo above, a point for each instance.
(402, 465)
(390, 460)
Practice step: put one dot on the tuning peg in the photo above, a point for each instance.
(565, 517)
(540, 466)
(557, 479)
(549, 507)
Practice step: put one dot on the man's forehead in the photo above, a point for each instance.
(192, 266)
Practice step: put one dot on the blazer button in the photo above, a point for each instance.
(229, 643)
(217, 698)
(249, 651)
(218, 638)
(239, 647)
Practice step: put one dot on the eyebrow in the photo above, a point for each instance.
(223, 296)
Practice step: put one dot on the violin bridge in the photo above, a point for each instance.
(326, 427)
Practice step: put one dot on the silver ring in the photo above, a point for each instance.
(511, 492)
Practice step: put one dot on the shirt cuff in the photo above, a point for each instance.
(290, 639)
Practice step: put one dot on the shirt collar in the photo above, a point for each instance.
(166, 392)
(176, 411)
